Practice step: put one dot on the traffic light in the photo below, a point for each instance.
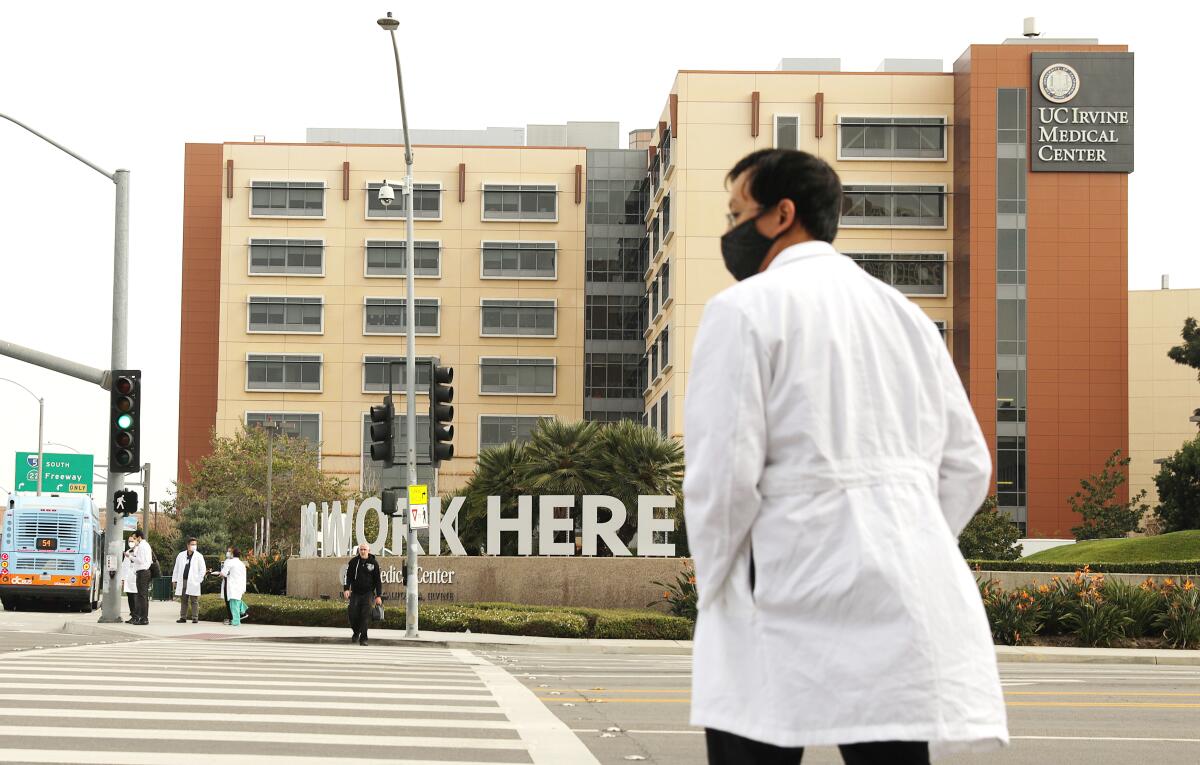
(125, 502)
(383, 444)
(440, 414)
(124, 420)
(391, 502)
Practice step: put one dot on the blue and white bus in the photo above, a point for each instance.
(49, 550)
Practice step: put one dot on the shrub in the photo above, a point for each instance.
(1180, 621)
(1096, 502)
(1141, 603)
(680, 595)
(1172, 568)
(1014, 615)
(266, 574)
(990, 534)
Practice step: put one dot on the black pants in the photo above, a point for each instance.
(131, 598)
(729, 749)
(359, 612)
(143, 595)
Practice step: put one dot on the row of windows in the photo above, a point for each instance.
(388, 316)
(302, 373)
(659, 292)
(615, 202)
(306, 199)
(613, 375)
(894, 206)
(498, 259)
(613, 317)
(616, 259)
(913, 273)
(660, 353)
(876, 137)
(494, 430)
(659, 416)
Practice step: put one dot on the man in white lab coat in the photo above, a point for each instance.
(187, 577)
(832, 460)
(142, 559)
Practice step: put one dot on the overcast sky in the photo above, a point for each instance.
(128, 84)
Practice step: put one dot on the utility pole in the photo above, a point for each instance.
(410, 587)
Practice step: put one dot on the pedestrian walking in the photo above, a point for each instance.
(832, 460)
(128, 579)
(142, 560)
(361, 588)
(187, 577)
(233, 585)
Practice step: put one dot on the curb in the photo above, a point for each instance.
(1143, 656)
(86, 629)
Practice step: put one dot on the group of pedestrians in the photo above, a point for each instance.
(138, 568)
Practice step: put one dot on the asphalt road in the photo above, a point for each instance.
(636, 706)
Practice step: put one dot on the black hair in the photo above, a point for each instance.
(235, 552)
(191, 539)
(137, 533)
(807, 180)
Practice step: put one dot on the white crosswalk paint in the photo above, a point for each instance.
(282, 703)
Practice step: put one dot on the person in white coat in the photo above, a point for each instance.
(233, 586)
(128, 579)
(187, 577)
(832, 460)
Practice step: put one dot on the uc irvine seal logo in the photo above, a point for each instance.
(1059, 83)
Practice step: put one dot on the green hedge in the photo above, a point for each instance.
(1172, 568)
(489, 618)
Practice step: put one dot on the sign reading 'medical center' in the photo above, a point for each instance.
(1082, 115)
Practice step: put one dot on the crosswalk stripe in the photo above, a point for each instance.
(157, 758)
(191, 715)
(176, 700)
(129, 688)
(264, 737)
(119, 678)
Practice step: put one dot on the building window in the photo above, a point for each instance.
(892, 138)
(498, 430)
(665, 146)
(653, 299)
(518, 318)
(787, 132)
(664, 347)
(427, 202)
(664, 419)
(665, 212)
(306, 426)
(652, 175)
(655, 239)
(520, 202)
(304, 199)
(615, 202)
(286, 314)
(664, 276)
(613, 317)
(388, 316)
(941, 327)
(303, 257)
(612, 375)
(517, 376)
(653, 422)
(375, 372)
(913, 273)
(894, 206)
(519, 260)
(390, 258)
(615, 259)
(283, 372)
(654, 361)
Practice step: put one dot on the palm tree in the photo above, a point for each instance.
(498, 474)
(563, 458)
(640, 461)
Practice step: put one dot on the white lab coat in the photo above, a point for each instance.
(127, 575)
(825, 426)
(234, 573)
(142, 556)
(195, 573)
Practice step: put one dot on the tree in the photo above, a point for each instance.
(1178, 483)
(1096, 502)
(641, 462)
(990, 535)
(206, 520)
(235, 474)
(1188, 352)
(497, 474)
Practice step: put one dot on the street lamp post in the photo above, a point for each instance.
(410, 393)
(41, 419)
(111, 608)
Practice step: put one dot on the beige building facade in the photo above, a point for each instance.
(310, 292)
(713, 119)
(1162, 394)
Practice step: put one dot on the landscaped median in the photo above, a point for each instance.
(489, 618)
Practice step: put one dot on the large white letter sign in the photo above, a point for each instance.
(592, 527)
(444, 526)
(522, 524)
(548, 525)
(375, 505)
(648, 524)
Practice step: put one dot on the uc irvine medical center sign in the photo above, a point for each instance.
(1082, 113)
(335, 532)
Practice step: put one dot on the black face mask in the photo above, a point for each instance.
(744, 248)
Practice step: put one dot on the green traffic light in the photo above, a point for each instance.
(124, 422)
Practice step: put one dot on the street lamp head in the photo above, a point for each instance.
(389, 23)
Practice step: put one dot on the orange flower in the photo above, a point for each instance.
(666, 596)
(1016, 637)
(1188, 586)
(1043, 589)
(691, 580)
(1168, 582)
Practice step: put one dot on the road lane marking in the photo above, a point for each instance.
(1099, 704)
(1107, 738)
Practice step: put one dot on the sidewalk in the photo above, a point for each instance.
(163, 615)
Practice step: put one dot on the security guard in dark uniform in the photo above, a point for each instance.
(362, 582)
